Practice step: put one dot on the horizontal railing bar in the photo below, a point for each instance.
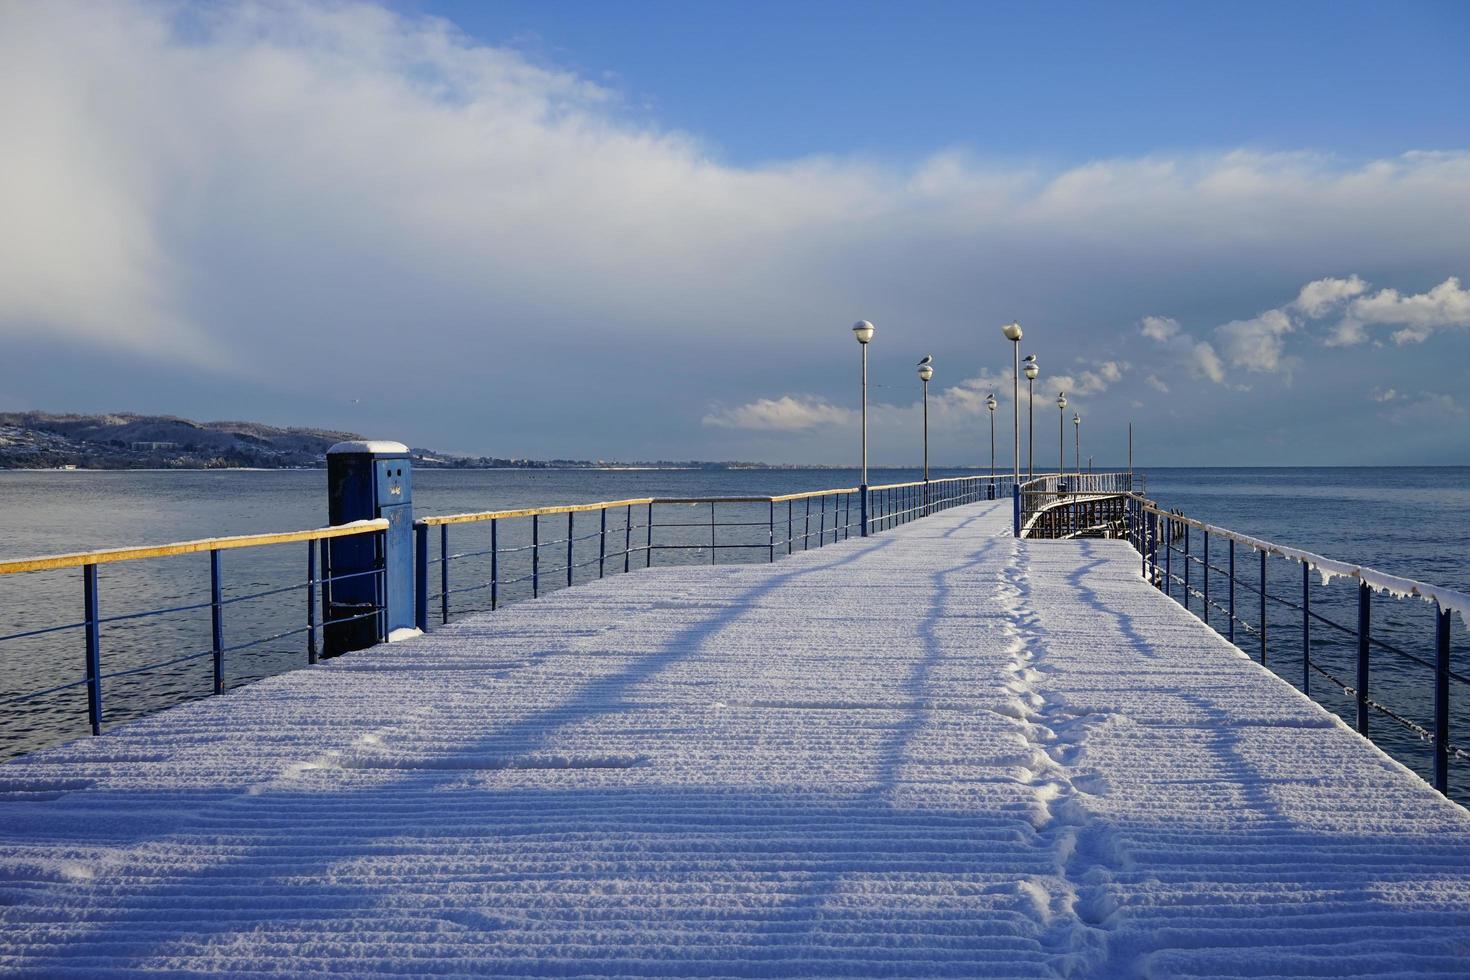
(109, 555)
(712, 547)
(517, 581)
(706, 524)
(267, 639)
(494, 515)
(1384, 709)
(1372, 577)
(12, 698)
(711, 500)
(123, 617)
(39, 632)
(159, 666)
(260, 595)
(782, 498)
(348, 619)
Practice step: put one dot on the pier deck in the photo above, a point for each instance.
(935, 751)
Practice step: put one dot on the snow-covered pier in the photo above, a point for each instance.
(936, 751)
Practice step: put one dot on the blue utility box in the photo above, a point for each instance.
(368, 480)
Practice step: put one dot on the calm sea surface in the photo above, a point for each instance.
(1407, 521)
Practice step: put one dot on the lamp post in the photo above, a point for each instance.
(1012, 332)
(1077, 443)
(990, 404)
(1061, 440)
(926, 371)
(1032, 370)
(863, 331)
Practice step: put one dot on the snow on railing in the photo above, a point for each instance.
(1149, 526)
(1331, 568)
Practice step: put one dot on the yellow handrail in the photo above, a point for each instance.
(78, 559)
(491, 515)
(920, 483)
(105, 556)
(782, 498)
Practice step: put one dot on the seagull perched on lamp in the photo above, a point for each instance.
(928, 359)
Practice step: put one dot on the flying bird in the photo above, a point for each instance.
(928, 358)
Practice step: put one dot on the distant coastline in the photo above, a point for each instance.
(129, 441)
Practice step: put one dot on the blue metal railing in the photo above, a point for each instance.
(1176, 556)
(627, 532)
(520, 554)
(1067, 492)
(317, 585)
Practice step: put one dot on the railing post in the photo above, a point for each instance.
(822, 522)
(380, 585)
(1365, 626)
(806, 526)
(863, 510)
(789, 527)
(1232, 590)
(1263, 607)
(1205, 577)
(325, 556)
(712, 549)
(94, 648)
(1169, 556)
(602, 545)
(771, 531)
(535, 556)
(1016, 509)
(216, 626)
(421, 576)
(571, 542)
(1186, 566)
(846, 516)
(628, 540)
(494, 564)
(443, 574)
(1306, 629)
(1153, 547)
(1441, 698)
(311, 656)
(648, 541)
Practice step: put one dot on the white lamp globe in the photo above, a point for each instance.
(863, 331)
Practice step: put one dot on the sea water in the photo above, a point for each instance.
(1406, 521)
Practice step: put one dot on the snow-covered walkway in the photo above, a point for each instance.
(936, 751)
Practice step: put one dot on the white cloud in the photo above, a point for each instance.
(1425, 408)
(1156, 384)
(1383, 394)
(785, 414)
(1205, 361)
(1159, 328)
(1256, 344)
(1198, 357)
(1446, 305)
(1321, 296)
(270, 187)
(217, 179)
(958, 403)
(1347, 333)
(1092, 382)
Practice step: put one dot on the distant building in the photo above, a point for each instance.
(153, 446)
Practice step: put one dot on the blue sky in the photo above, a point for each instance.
(1066, 82)
(643, 230)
